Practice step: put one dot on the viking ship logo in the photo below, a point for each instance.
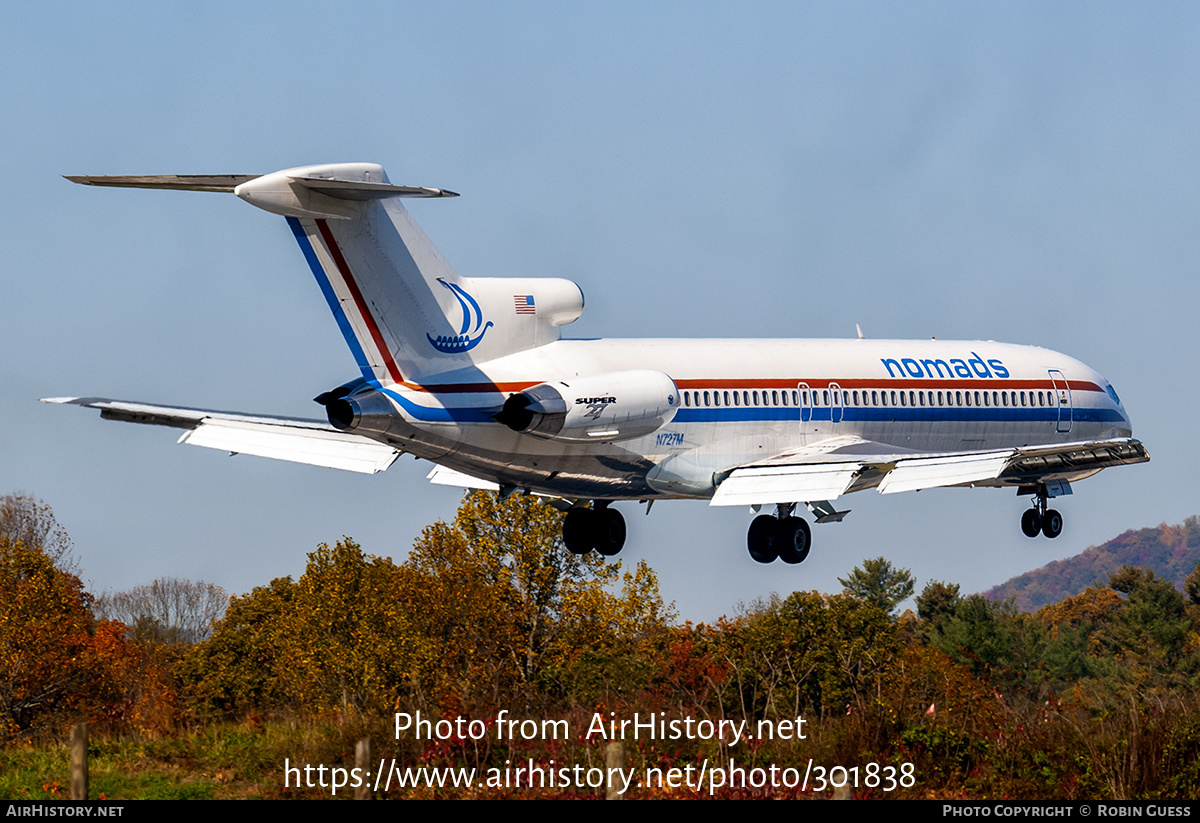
(473, 327)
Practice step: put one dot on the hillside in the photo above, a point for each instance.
(1171, 551)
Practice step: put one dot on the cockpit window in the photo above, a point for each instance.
(1113, 394)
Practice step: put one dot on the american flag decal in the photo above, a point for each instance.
(524, 304)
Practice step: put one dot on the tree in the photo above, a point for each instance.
(982, 634)
(240, 667)
(1191, 584)
(937, 601)
(45, 634)
(1155, 622)
(507, 602)
(169, 610)
(31, 521)
(879, 582)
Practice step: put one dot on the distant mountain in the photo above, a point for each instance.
(1171, 551)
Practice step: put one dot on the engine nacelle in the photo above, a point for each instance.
(357, 407)
(612, 406)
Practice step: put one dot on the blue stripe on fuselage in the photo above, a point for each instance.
(475, 414)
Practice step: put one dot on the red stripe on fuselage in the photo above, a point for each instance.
(344, 269)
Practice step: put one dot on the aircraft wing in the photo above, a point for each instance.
(300, 441)
(827, 470)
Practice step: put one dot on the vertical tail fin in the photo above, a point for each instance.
(405, 313)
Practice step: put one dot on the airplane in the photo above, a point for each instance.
(474, 375)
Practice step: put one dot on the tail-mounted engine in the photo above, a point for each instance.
(357, 407)
(612, 406)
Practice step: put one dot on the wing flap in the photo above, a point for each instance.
(332, 449)
(443, 476)
(932, 472)
(784, 484)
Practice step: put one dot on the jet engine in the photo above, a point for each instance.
(357, 407)
(612, 406)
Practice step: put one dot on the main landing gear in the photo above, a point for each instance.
(599, 528)
(1041, 519)
(783, 536)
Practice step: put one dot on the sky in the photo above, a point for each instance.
(1024, 172)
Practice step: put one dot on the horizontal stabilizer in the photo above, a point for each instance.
(343, 189)
(368, 189)
(178, 182)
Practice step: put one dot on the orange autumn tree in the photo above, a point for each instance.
(57, 663)
(45, 635)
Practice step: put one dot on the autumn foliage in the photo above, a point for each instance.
(1093, 696)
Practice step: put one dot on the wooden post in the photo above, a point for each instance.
(362, 762)
(79, 764)
(614, 762)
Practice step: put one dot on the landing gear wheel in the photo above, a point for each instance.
(1031, 523)
(579, 530)
(793, 539)
(1052, 523)
(761, 539)
(610, 531)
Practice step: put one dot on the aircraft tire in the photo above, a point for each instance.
(760, 540)
(610, 532)
(793, 538)
(579, 531)
(1031, 523)
(1052, 524)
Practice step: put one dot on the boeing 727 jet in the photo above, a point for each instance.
(473, 374)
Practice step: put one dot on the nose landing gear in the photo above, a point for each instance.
(783, 536)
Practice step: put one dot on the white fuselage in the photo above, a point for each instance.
(747, 400)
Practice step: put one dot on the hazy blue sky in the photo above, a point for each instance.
(1018, 172)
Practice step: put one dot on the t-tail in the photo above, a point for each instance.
(404, 312)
